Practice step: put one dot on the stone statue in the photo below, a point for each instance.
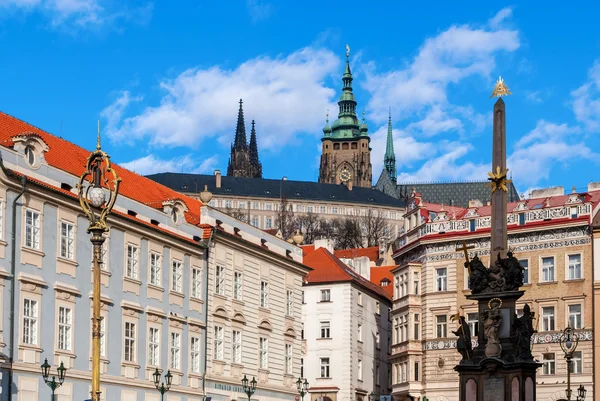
(496, 272)
(521, 333)
(491, 324)
(463, 343)
(513, 274)
(479, 275)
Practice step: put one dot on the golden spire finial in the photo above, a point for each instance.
(98, 144)
(500, 89)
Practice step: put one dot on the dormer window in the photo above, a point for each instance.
(175, 208)
(174, 216)
(32, 147)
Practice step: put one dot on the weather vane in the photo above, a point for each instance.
(347, 51)
(500, 89)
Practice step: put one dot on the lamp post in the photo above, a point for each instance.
(52, 383)
(249, 387)
(302, 387)
(164, 386)
(97, 179)
(568, 342)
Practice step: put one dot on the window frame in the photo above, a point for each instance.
(238, 285)
(34, 320)
(325, 295)
(568, 266)
(132, 261)
(153, 346)
(548, 365)
(264, 294)
(67, 328)
(568, 307)
(441, 279)
(542, 267)
(441, 325)
(263, 353)
(325, 367)
(130, 342)
(220, 280)
(551, 318)
(67, 240)
(196, 283)
(236, 346)
(218, 340)
(177, 277)
(175, 350)
(195, 354)
(155, 268)
(32, 230)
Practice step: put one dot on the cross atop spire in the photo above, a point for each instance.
(389, 160)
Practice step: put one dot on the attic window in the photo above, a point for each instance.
(30, 155)
(155, 222)
(132, 213)
(32, 147)
(175, 216)
(66, 187)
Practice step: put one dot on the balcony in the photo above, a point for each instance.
(406, 301)
(406, 347)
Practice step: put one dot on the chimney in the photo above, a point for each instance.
(218, 178)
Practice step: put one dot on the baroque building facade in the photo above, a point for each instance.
(158, 300)
(244, 161)
(551, 238)
(345, 146)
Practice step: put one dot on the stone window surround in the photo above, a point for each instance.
(31, 288)
(66, 220)
(37, 207)
(65, 296)
(181, 269)
(199, 268)
(182, 350)
(546, 303)
(541, 269)
(574, 300)
(528, 259)
(567, 254)
(130, 312)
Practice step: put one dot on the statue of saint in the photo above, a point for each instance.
(479, 275)
(522, 331)
(491, 324)
(463, 343)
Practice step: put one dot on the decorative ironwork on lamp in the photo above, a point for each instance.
(165, 386)
(249, 386)
(302, 387)
(568, 342)
(52, 382)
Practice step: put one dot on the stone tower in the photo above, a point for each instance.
(346, 155)
(244, 161)
(389, 160)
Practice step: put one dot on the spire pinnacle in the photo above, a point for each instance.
(389, 160)
(255, 163)
(98, 143)
(240, 131)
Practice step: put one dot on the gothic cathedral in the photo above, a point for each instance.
(244, 161)
(346, 155)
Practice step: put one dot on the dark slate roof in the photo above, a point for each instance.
(455, 193)
(267, 188)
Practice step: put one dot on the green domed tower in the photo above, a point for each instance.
(346, 154)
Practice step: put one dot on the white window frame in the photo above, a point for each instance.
(196, 291)
(132, 261)
(218, 353)
(359, 298)
(568, 269)
(548, 320)
(220, 280)
(574, 319)
(360, 370)
(263, 353)
(268, 222)
(441, 327)
(30, 321)
(177, 276)
(325, 329)
(326, 295)
(64, 319)
(67, 240)
(195, 349)
(264, 294)
(238, 285)
(289, 304)
(155, 268)
(441, 280)
(32, 229)
(526, 269)
(360, 333)
(236, 346)
(473, 323)
(175, 350)
(289, 359)
(577, 363)
(545, 271)
(548, 365)
(130, 341)
(325, 364)
(153, 346)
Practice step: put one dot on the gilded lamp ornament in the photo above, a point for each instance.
(498, 180)
(500, 89)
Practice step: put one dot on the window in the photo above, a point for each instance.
(309, 209)
(268, 222)
(268, 206)
(264, 294)
(377, 340)
(218, 351)
(176, 284)
(154, 346)
(472, 225)
(67, 240)
(255, 205)
(442, 279)
(576, 364)
(30, 153)
(525, 264)
(573, 212)
(32, 229)
(574, 267)
(377, 308)
(175, 351)
(548, 364)
(417, 326)
(195, 354)
(154, 268)
(103, 255)
(301, 367)
(103, 337)
(360, 370)
(220, 280)
(377, 378)
(237, 285)
(324, 367)
(397, 286)
(548, 269)
(575, 316)
(64, 328)
(323, 209)
(289, 310)
(288, 359)
(264, 353)
(548, 318)
(521, 219)
(416, 283)
(473, 321)
(417, 369)
(325, 295)
(360, 337)
(302, 293)
(228, 204)
(360, 298)
(129, 342)
(441, 326)
(30, 321)
(196, 282)
(254, 221)
(325, 330)
(236, 346)
(132, 262)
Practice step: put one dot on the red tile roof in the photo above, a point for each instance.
(372, 253)
(72, 159)
(327, 268)
(384, 272)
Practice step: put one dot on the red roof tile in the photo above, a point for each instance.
(327, 268)
(133, 186)
(378, 274)
(372, 253)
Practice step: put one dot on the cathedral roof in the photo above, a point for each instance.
(275, 189)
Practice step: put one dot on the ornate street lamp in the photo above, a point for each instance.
(164, 386)
(249, 387)
(302, 387)
(98, 178)
(52, 383)
(568, 343)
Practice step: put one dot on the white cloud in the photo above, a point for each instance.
(258, 10)
(285, 95)
(436, 121)
(586, 100)
(408, 149)
(534, 96)
(500, 17)
(151, 165)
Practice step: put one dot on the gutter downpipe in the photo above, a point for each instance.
(212, 233)
(13, 267)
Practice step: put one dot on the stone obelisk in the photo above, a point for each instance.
(499, 196)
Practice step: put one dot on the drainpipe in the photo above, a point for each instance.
(212, 233)
(13, 266)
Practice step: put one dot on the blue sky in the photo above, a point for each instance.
(165, 78)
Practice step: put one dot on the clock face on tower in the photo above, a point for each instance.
(345, 175)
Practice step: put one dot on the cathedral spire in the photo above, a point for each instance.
(390, 157)
(255, 163)
(239, 142)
